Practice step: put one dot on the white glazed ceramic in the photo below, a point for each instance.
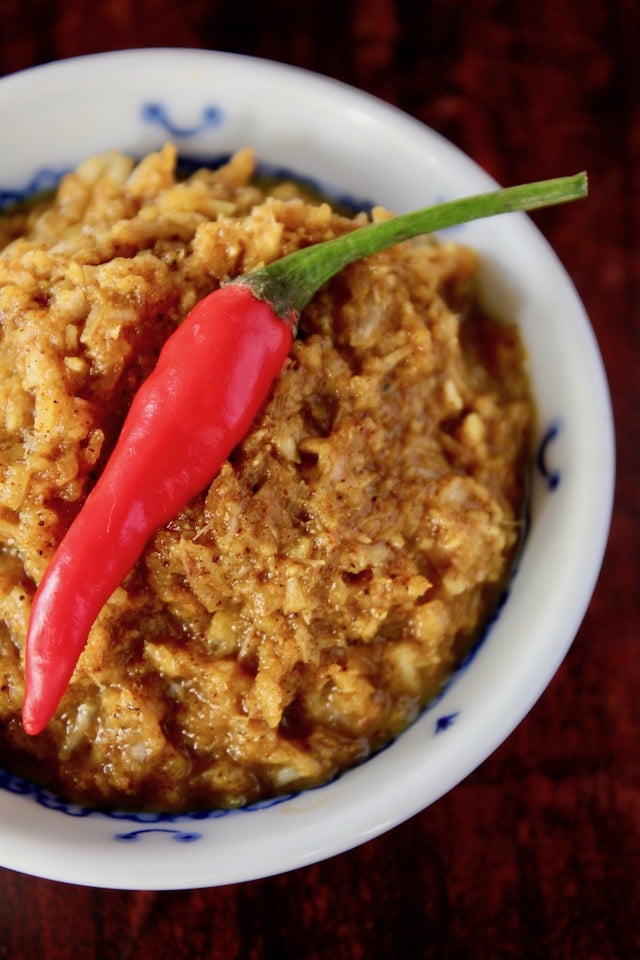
(211, 103)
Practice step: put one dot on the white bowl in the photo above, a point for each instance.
(210, 104)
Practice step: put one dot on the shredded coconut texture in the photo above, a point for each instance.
(302, 610)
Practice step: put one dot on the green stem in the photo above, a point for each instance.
(289, 284)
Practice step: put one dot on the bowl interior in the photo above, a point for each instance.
(353, 146)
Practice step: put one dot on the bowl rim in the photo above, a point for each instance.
(35, 839)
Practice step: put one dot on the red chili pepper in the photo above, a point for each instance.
(213, 375)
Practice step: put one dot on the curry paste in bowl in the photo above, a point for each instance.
(302, 610)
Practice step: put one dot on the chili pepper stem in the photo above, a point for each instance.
(290, 283)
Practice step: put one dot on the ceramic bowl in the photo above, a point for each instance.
(353, 145)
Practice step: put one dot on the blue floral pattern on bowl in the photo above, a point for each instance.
(155, 112)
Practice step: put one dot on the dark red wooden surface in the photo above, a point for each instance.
(537, 853)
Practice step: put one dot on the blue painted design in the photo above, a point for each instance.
(42, 181)
(47, 179)
(45, 798)
(178, 835)
(446, 721)
(211, 117)
(551, 476)
(20, 786)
